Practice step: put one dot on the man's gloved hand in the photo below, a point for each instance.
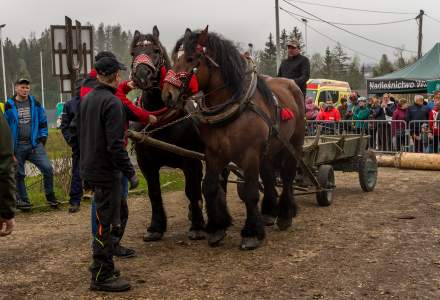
(134, 182)
(43, 140)
(152, 119)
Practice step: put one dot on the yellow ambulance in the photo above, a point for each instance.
(322, 89)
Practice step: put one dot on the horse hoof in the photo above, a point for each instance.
(249, 243)
(268, 220)
(153, 236)
(283, 224)
(196, 235)
(216, 238)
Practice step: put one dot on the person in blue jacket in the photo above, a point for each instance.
(28, 123)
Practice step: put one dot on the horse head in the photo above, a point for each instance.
(150, 60)
(205, 62)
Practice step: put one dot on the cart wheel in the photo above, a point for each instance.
(326, 178)
(368, 171)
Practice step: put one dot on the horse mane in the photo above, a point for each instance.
(225, 54)
(264, 89)
(154, 40)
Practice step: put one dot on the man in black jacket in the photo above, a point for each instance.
(295, 66)
(103, 160)
(7, 179)
(70, 109)
(415, 116)
(384, 114)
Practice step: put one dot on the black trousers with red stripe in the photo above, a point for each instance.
(108, 203)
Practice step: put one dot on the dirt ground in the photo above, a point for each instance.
(379, 245)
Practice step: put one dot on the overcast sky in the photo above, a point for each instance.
(240, 20)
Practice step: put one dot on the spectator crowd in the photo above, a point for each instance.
(392, 124)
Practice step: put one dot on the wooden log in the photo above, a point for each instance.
(385, 160)
(408, 160)
(417, 161)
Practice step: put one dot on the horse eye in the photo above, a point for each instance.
(157, 51)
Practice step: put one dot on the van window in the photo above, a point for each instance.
(311, 93)
(324, 95)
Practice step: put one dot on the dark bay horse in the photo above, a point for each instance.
(251, 139)
(150, 62)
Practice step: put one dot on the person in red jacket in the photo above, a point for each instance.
(132, 113)
(330, 115)
(329, 112)
(434, 122)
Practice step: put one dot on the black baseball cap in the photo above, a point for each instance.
(104, 54)
(108, 65)
(22, 81)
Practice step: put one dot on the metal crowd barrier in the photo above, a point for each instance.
(387, 136)
(424, 136)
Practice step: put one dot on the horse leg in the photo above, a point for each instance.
(224, 179)
(287, 208)
(158, 223)
(253, 230)
(193, 177)
(219, 218)
(269, 206)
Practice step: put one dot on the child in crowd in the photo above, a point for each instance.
(426, 138)
(312, 111)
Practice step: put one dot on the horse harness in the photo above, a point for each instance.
(228, 111)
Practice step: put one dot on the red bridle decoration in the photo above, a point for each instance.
(175, 79)
(163, 73)
(143, 59)
(286, 114)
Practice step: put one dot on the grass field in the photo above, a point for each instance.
(58, 151)
(171, 180)
(56, 146)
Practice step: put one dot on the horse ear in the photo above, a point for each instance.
(156, 32)
(188, 33)
(203, 37)
(136, 35)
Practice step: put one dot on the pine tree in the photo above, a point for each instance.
(100, 38)
(108, 38)
(283, 43)
(399, 62)
(12, 58)
(316, 66)
(327, 70)
(267, 58)
(384, 66)
(339, 62)
(354, 74)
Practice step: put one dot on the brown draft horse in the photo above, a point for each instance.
(248, 140)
